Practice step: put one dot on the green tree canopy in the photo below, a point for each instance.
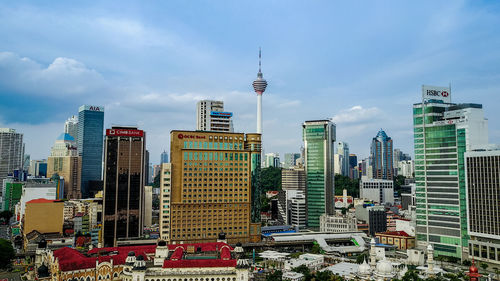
(343, 182)
(277, 275)
(6, 253)
(270, 179)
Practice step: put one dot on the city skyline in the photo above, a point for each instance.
(181, 60)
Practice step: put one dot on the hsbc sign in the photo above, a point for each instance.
(436, 93)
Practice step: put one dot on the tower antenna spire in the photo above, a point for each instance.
(260, 58)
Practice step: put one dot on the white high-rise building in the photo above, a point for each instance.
(343, 150)
(71, 127)
(337, 166)
(210, 116)
(483, 207)
(11, 151)
(165, 192)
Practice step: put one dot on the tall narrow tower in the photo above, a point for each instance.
(259, 85)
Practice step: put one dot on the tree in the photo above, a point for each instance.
(484, 265)
(361, 258)
(467, 263)
(270, 179)
(156, 181)
(316, 249)
(343, 182)
(304, 270)
(6, 215)
(6, 253)
(276, 275)
(324, 276)
(398, 182)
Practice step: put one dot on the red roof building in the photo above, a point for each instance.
(400, 239)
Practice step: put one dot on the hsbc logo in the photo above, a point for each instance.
(444, 94)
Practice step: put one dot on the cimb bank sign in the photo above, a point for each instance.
(436, 93)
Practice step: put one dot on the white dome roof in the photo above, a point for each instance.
(364, 268)
(384, 267)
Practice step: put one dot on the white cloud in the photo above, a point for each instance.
(63, 77)
(357, 114)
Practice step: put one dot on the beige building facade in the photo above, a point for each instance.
(210, 187)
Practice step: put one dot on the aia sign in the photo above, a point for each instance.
(94, 108)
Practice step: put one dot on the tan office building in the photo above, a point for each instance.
(211, 186)
(65, 162)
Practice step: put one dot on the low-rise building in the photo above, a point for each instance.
(338, 223)
(400, 239)
(312, 261)
(377, 190)
(198, 261)
(45, 216)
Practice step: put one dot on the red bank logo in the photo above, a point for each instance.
(181, 136)
(444, 94)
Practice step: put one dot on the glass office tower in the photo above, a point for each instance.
(443, 132)
(319, 140)
(123, 184)
(90, 144)
(381, 156)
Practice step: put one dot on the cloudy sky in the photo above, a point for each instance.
(361, 63)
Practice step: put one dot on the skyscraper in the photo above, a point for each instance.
(381, 156)
(259, 85)
(90, 144)
(11, 152)
(319, 140)
(164, 157)
(343, 149)
(211, 187)
(210, 116)
(272, 160)
(483, 204)
(71, 127)
(124, 179)
(65, 162)
(290, 160)
(443, 131)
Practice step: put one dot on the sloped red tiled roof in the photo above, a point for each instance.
(395, 233)
(71, 259)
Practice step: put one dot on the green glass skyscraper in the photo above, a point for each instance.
(319, 140)
(443, 131)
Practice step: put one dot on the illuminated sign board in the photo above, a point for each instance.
(98, 108)
(184, 136)
(436, 93)
(220, 113)
(124, 132)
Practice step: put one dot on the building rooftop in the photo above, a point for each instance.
(395, 233)
(43, 200)
(184, 255)
(65, 137)
(464, 106)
